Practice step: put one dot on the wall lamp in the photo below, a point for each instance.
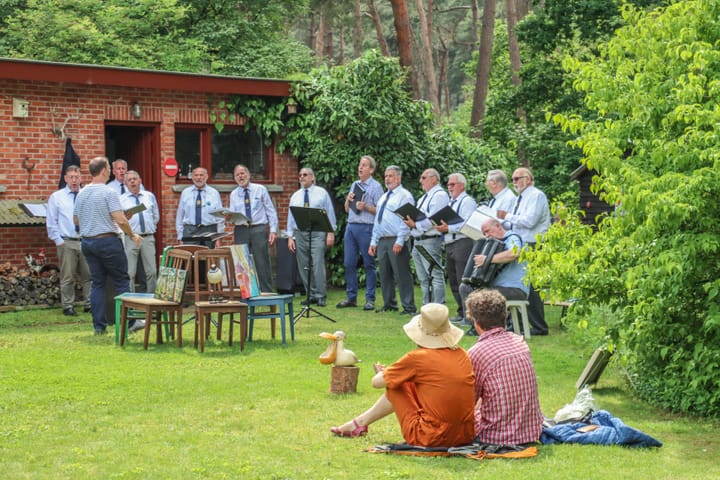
(136, 109)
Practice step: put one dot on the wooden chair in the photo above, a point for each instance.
(206, 305)
(154, 308)
(278, 306)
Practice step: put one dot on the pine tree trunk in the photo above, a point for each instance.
(482, 77)
(402, 29)
(384, 49)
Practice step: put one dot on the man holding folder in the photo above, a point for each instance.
(361, 205)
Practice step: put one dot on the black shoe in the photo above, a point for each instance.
(346, 304)
(369, 306)
(387, 309)
(307, 303)
(472, 332)
(70, 312)
(408, 312)
(101, 332)
(321, 302)
(86, 309)
(534, 333)
(457, 319)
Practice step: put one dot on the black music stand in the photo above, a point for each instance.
(433, 264)
(310, 220)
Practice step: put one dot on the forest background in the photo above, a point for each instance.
(627, 88)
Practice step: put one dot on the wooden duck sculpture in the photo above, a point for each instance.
(336, 352)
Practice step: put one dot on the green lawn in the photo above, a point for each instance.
(76, 406)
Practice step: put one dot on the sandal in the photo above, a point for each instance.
(358, 431)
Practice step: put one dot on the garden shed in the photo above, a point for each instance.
(589, 203)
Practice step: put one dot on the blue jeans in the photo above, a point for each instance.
(105, 258)
(357, 242)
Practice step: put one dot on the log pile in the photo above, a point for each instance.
(20, 287)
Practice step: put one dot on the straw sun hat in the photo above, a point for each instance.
(432, 329)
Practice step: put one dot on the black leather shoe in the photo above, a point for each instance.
(70, 312)
(309, 302)
(86, 309)
(408, 312)
(346, 304)
(537, 333)
(321, 302)
(369, 306)
(387, 309)
(472, 332)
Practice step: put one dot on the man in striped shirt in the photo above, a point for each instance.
(507, 408)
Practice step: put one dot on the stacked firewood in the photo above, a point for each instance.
(18, 287)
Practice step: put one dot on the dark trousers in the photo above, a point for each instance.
(106, 259)
(456, 256)
(357, 242)
(395, 269)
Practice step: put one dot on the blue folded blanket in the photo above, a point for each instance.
(609, 431)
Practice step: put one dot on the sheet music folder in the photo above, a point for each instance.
(410, 210)
(447, 215)
(206, 236)
(359, 193)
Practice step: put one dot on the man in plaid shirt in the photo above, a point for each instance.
(507, 408)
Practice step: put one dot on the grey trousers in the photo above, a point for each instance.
(146, 254)
(395, 270)
(456, 257)
(72, 265)
(432, 283)
(318, 288)
(256, 238)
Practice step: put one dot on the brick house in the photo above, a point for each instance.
(145, 117)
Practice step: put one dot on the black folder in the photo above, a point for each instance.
(410, 210)
(447, 215)
(359, 192)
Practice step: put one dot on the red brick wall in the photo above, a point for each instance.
(89, 107)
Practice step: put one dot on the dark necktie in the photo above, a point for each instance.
(198, 208)
(142, 216)
(77, 227)
(517, 204)
(492, 202)
(452, 202)
(382, 207)
(306, 202)
(122, 189)
(247, 204)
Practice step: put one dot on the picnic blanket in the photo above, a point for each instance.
(602, 429)
(475, 451)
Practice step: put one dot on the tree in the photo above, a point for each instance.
(653, 139)
(403, 33)
(482, 75)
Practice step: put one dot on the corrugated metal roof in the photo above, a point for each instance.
(11, 213)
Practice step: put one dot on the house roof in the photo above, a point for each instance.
(18, 69)
(578, 172)
(11, 213)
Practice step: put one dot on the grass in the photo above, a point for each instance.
(76, 406)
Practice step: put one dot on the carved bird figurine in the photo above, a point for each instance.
(36, 264)
(336, 352)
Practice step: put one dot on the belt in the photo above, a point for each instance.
(426, 237)
(146, 234)
(252, 226)
(454, 236)
(388, 237)
(71, 238)
(102, 235)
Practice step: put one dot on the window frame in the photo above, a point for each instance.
(206, 132)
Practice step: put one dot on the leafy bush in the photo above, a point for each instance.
(654, 88)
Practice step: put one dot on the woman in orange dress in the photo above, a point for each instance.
(430, 389)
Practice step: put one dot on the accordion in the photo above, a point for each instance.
(482, 276)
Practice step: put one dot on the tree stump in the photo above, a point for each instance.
(344, 379)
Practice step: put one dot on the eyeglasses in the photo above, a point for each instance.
(304, 174)
(515, 179)
(451, 184)
(423, 177)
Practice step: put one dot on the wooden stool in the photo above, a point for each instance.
(519, 307)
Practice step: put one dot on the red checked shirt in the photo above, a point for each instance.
(507, 408)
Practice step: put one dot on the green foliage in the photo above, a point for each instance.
(131, 34)
(654, 89)
(364, 108)
(231, 37)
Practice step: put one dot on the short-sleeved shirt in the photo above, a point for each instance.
(505, 381)
(94, 206)
(441, 414)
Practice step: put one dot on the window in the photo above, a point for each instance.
(219, 152)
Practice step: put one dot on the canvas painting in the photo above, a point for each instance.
(170, 284)
(245, 273)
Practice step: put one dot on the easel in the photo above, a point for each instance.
(310, 220)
